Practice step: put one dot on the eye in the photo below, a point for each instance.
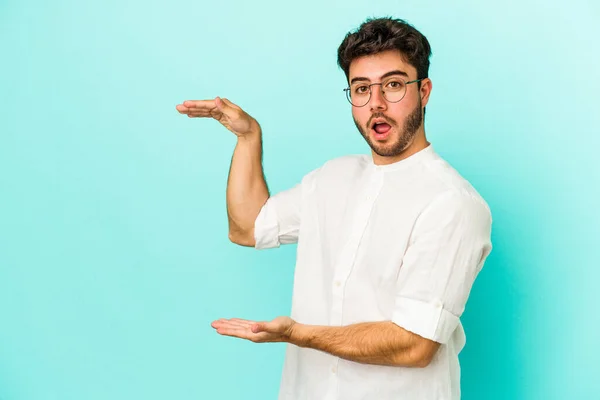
(394, 85)
(361, 89)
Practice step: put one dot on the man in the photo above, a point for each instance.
(389, 244)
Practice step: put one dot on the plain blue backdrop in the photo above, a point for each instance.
(114, 256)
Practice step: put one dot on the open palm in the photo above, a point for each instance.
(278, 330)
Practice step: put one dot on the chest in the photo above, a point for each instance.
(362, 227)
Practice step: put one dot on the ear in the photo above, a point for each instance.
(425, 91)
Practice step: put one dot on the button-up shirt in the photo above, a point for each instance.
(401, 242)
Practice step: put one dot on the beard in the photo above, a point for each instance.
(411, 126)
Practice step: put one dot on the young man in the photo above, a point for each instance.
(389, 244)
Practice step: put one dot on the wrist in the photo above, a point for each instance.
(300, 334)
(254, 134)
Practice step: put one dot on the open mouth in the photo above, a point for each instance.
(381, 130)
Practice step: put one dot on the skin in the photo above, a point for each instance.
(380, 342)
(405, 138)
(247, 189)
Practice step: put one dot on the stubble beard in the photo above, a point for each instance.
(411, 126)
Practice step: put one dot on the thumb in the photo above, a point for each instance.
(264, 327)
(222, 104)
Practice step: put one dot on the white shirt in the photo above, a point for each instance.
(402, 242)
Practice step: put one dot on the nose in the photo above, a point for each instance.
(377, 101)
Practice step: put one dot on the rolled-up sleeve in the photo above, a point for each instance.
(448, 248)
(278, 221)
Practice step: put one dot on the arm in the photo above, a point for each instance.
(449, 247)
(381, 343)
(247, 190)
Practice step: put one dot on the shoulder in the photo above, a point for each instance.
(461, 204)
(455, 218)
(450, 188)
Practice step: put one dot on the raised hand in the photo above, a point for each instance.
(278, 330)
(227, 113)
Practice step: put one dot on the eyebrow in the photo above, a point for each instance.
(395, 72)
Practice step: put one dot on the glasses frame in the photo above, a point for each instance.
(347, 90)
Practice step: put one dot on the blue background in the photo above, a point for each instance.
(114, 256)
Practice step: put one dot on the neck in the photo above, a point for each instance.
(419, 143)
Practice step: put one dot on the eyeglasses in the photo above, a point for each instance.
(393, 90)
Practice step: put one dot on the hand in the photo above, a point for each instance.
(228, 114)
(278, 330)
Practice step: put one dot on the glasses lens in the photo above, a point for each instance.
(394, 90)
(358, 95)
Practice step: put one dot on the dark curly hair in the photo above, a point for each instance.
(376, 35)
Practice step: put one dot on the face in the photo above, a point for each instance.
(390, 128)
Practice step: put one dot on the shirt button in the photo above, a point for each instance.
(337, 283)
(333, 370)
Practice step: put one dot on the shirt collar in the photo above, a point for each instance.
(421, 155)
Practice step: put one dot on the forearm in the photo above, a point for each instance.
(381, 343)
(246, 187)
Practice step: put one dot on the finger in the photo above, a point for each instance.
(221, 105)
(235, 332)
(202, 114)
(245, 334)
(243, 321)
(232, 323)
(220, 323)
(237, 324)
(268, 326)
(193, 110)
(226, 106)
(229, 103)
(205, 104)
(211, 113)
